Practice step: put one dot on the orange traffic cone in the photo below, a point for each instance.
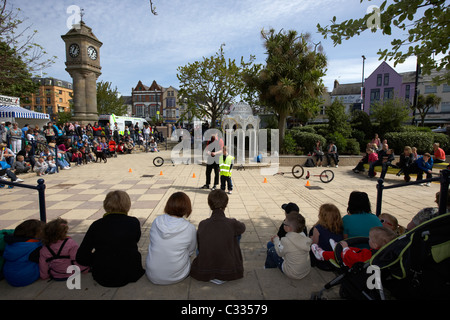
(160, 173)
(307, 183)
(193, 176)
(130, 170)
(265, 180)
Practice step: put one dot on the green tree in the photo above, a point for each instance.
(15, 80)
(390, 114)
(20, 38)
(424, 25)
(291, 78)
(210, 86)
(425, 103)
(338, 120)
(108, 100)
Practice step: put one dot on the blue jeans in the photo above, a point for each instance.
(273, 260)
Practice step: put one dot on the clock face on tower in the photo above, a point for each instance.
(92, 53)
(74, 50)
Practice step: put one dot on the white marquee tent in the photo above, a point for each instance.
(22, 116)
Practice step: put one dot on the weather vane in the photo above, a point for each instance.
(81, 15)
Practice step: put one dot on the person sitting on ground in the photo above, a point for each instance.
(20, 165)
(378, 237)
(173, 240)
(58, 251)
(41, 167)
(219, 255)
(28, 156)
(370, 157)
(439, 154)
(428, 213)
(291, 253)
(424, 164)
(329, 226)
(21, 253)
(110, 246)
(385, 159)
(6, 154)
(391, 222)
(405, 163)
(359, 219)
(153, 146)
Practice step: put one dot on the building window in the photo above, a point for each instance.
(49, 100)
(430, 89)
(374, 95)
(388, 93)
(446, 88)
(386, 79)
(379, 79)
(407, 91)
(445, 107)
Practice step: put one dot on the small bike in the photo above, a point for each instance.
(298, 171)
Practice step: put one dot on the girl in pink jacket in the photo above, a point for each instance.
(58, 251)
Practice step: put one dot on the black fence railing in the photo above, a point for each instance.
(41, 194)
(444, 179)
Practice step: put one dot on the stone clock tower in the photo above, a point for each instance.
(83, 65)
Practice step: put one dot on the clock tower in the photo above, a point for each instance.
(83, 65)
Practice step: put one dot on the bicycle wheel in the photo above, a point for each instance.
(327, 176)
(297, 171)
(158, 161)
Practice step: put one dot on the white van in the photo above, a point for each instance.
(122, 121)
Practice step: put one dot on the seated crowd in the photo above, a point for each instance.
(177, 249)
(409, 163)
(32, 149)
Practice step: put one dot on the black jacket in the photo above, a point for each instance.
(110, 249)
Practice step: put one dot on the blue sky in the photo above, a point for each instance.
(140, 46)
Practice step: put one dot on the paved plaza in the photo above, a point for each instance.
(77, 196)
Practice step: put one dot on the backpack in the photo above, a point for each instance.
(3, 233)
(309, 162)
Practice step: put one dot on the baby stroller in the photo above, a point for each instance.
(415, 265)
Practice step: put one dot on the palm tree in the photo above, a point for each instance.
(291, 77)
(424, 104)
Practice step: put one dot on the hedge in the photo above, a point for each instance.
(423, 141)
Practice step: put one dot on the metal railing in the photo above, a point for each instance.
(41, 194)
(444, 179)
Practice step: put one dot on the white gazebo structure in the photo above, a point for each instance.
(241, 123)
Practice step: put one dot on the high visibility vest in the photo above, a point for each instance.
(225, 167)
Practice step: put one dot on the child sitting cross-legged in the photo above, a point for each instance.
(378, 237)
(290, 253)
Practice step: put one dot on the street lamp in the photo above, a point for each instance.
(362, 84)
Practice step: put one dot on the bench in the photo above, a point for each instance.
(393, 170)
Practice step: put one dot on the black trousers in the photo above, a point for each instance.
(210, 167)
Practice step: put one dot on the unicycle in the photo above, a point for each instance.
(325, 176)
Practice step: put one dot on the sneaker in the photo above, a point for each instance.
(18, 180)
(217, 281)
(230, 192)
(4, 177)
(213, 188)
(317, 251)
(205, 187)
(428, 184)
(337, 166)
(333, 243)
